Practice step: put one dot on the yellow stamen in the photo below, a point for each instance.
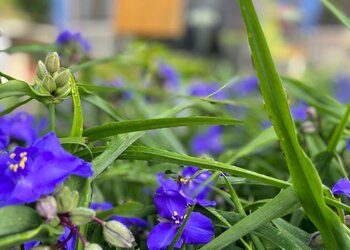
(183, 180)
(177, 222)
(12, 156)
(23, 162)
(175, 213)
(14, 167)
(23, 154)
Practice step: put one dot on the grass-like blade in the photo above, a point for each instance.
(114, 128)
(338, 13)
(306, 181)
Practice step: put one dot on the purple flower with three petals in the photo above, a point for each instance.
(28, 173)
(67, 37)
(191, 188)
(172, 209)
(245, 86)
(168, 76)
(342, 187)
(299, 111)
(209, 142)
(203, 89)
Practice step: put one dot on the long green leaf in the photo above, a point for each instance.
(114, 128)
(306, 181)
(283, 204)
(159, 155)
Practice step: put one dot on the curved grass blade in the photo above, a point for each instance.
(339, 14)
(13, 107)
(159, 155)
(121, 127)
(306, 181)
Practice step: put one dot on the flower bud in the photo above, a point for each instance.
(46, 207)
(49, 84)
(315, 240)
(41, 70)
(81, 215)
(62, 78)
(41, 90)
(67, 200)
(92, 246)
(118, 235)
(62, 91)
(52, 62)
(41, 248)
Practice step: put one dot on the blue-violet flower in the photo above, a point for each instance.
(28, 173)
(172, 208)
(209, 142)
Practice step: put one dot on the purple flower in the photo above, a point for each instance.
(191, 188)
(342, 187)
(127, 221)
(20, 128)
(342, 88)
(168, 76)
(209, 142)
(245, 86)
(66, 37)
(68, 246)
(299, 111)
(202, 89)
(28, 173)
(101, 206)
(172, 208)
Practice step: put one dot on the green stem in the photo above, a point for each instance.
(52, 116)
(240, 210)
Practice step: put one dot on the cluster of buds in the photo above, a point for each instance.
(52, 79)
(63, 207)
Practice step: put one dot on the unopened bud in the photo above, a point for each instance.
(347, 220)
(41, 70)
(92, 246)
(49, 84)
(41, 90)
(315, 240)
(67, 200)
(63, 91)
(41, 248)
(46, 207)
(81, 215)
(118, 235)
(52, 62)
(308, 127)
(62, 78)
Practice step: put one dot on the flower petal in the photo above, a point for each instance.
(198, 230)
(342, 187)
(170, 202)
(161, 236)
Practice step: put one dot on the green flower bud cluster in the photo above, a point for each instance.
(51, 78)
(67, 200)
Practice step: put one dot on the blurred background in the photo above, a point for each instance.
(304, 37)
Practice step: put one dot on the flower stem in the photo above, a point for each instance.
(52, 116)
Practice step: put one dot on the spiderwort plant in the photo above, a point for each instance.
(172, 208)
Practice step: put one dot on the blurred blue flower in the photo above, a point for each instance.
(209, 142)
(127, 221)
(299, 111)
(69, 245)
(28, 173)
(203, 89)
(188, 185)
(168, 76)
(20, 128)
(342, 88)
(342, 187)
(67, 37)
(172, 208)
(245, 86)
